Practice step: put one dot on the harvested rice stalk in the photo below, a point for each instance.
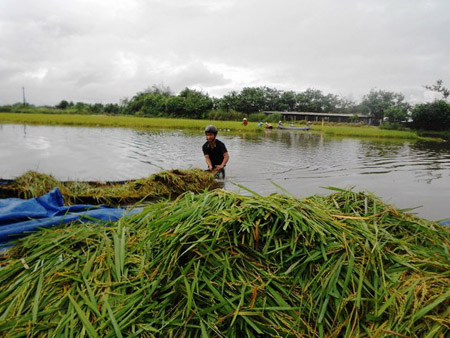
(162, 185)
(226, 265)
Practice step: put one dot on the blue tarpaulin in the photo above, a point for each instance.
(18, 216)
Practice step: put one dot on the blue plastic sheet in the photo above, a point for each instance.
(18, 217)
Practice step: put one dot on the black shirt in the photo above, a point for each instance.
(216, 154)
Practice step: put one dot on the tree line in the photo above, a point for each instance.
(388, 107)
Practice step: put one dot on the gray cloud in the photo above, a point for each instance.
(103, 51)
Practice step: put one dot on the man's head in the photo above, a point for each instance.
(211, 133)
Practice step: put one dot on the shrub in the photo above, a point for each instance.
(6, 109)
(432, 116)
(257, 117)
(273, 118)
(395, 114)
(223, 115)
(392, 126)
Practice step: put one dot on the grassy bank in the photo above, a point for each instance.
(366, 131)
(445, 135)
(220, 264)
(169, 123)
(119, 121)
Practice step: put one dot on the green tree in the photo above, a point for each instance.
(345, 105)
(196, 103)
(160, 90)
(150, 102)
(229, 102)
(273, 99)
(313, 100)
(175, 106)
(432, 116)
(111, 108)
(81, 107)
(288, 101)
(395, 114)
(377, 101)
(96, 108)
(251, 100)
(62, 105)
(438, 87)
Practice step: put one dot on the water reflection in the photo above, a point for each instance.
(408, 174)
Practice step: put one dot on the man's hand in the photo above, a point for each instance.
(218, 167)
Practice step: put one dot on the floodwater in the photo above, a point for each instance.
(406, 174)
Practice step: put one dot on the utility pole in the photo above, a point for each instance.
(24, 101)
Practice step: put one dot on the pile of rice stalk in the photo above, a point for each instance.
(219, 264)
(31, 184)
(161, 185)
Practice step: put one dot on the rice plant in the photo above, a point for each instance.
(219, 264)
(166, 184)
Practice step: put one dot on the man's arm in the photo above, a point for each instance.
(226, 157)
(208, 162)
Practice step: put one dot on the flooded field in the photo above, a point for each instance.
(407, 174)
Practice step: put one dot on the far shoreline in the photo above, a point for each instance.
(122, 121)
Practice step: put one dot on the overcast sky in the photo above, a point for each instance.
(107, 50)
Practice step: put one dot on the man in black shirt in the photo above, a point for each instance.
(216, 154)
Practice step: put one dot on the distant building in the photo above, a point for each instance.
(330, 117)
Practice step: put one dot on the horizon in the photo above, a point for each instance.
(432, 95)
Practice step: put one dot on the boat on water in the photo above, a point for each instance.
(280, 126)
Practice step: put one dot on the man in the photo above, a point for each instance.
(216, 154)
